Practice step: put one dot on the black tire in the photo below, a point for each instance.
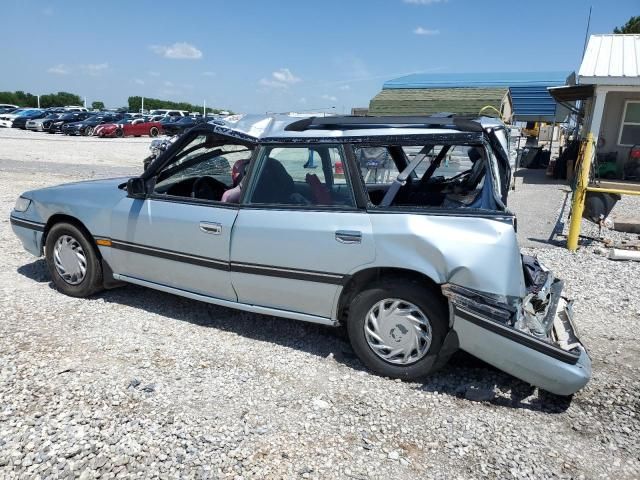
(88, 132)
(408, 290)
(153, 132)
(119, 133)
(92, 281)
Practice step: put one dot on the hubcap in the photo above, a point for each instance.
(70, 260)
(398, 331)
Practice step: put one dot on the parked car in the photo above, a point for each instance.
(169, 113)
(56, 126)
(181, 125)
(415, 264)
(21, 120)
(42, 124)
(135, 128)
(7, 119)
(7, 107)
(75, 108)
(88, 125)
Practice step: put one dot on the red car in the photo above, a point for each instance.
(129, 128)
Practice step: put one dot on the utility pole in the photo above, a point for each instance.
(142, 107)
(586, 33)
(204, 108)
(38, 101)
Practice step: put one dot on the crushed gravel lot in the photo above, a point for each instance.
(135, 383)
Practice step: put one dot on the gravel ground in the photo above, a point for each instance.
(135, 383)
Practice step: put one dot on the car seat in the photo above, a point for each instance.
(275, 185)
(321, 194)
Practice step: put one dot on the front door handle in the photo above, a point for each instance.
(349, 236)
(212, 228)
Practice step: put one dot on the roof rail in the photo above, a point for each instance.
(466, 124)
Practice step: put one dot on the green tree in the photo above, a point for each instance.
(135, 104)
(632, 26)
(97, 105)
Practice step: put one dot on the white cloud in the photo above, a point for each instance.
(282, 78)
(167, 83)
(424, 2)
(284, 75)
(209, 74)
(139, 81)
(302, 100)
(59, 69)
(328, 97)
(426, 31)
(95, 69)
(154, 74)
(178, 51)
(344, 87)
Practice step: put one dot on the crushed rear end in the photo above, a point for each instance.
(532, 337)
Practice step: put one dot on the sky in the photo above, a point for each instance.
(288, 55)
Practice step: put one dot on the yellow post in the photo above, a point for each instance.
(577, 205)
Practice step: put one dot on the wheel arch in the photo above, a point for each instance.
(358, 281)
(60, 218)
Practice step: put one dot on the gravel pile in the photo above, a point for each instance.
(135, 383)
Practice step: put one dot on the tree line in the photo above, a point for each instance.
(23, 99)
(135, 104)
(60, 99)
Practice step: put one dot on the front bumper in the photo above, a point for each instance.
(29, 233)
(561, 366)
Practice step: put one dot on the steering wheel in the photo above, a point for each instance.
(207, 188)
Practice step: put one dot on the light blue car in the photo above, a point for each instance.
(396, 228)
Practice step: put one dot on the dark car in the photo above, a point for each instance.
(21, 120)
(56, 126)
(42, 124)
(181, 126)
(86, 126)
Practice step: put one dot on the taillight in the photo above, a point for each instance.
(338, 169)
(635, 152)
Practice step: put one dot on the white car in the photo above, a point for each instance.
(6, 119)
(169, 113)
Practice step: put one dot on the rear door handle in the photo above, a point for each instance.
(212, 228)
(349, 236)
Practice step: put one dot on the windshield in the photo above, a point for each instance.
(29, 113)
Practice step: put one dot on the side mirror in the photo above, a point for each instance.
(136, 188)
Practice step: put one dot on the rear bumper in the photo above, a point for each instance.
(562, 367)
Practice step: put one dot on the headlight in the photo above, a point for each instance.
(22, 204)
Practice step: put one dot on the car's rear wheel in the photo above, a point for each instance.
(88, 131)
(397, 327)
(119, 133)
(153, 132)
(72, 260)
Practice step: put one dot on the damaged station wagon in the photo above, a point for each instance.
(396, 227)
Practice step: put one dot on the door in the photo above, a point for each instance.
(298, 234)
(180, 235)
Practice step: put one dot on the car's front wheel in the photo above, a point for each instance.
(72, 260)
(88, 131)
(397, 327)
(119, 133)
(153, 132)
